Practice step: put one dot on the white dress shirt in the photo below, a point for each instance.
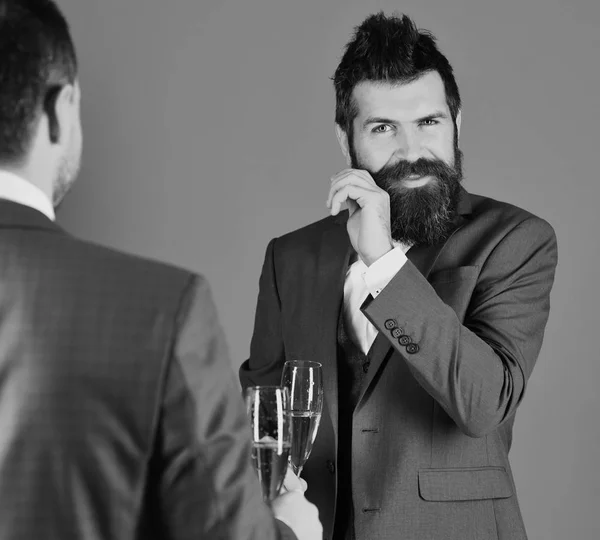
(17, 189)
(362, 280)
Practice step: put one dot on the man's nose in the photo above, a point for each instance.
(409, 146)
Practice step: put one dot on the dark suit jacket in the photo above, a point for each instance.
(120, 416)
(460, 329)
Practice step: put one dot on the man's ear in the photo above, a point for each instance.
(458, 123)
(60, 106)
(342, 138)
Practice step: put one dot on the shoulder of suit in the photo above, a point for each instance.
(107, 259)
(503, 212)
(313, 231)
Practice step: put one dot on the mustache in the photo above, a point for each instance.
(421, 167)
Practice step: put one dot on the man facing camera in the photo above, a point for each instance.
(120, 416)
(426, 305)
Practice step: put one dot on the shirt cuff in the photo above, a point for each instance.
(381, 272)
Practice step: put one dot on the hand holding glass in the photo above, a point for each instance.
(268, 408)
(305, 382)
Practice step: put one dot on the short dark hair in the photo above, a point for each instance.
(389, 49)
(37, 58)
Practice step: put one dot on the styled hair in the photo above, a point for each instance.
(37, 58)
(389, 49)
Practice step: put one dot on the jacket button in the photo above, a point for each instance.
(390, 323)
(412, 348)
(366, 366)
(330, 466)
(397, 332)
(404, 340)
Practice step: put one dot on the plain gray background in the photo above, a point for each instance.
(208, 130)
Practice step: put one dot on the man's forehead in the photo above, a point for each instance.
(418, 97)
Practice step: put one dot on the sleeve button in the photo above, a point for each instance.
(390, 324)
(412, 348)
(396, 332)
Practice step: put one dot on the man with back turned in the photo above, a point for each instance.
(426, 305)
(120, 417)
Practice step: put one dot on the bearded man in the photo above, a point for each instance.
(426, 305)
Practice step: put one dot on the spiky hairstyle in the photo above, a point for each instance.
(389, 49)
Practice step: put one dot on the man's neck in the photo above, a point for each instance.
(17, 188)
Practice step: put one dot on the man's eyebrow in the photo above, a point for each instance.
(383, 120)
(433, 116)
(378, 120)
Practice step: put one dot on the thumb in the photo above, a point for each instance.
(352, 206)
(292, 482)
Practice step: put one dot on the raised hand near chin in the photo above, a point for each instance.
(368, 226)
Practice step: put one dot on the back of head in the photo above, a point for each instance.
(37, 58)
(389, 49)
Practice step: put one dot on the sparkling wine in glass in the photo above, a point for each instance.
(304, 379)
(268, 409)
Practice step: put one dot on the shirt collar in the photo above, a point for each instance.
(18, 190)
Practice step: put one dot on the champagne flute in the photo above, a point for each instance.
(268, 409)
(305, 382)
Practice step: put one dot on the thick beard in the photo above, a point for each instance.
(424, 215)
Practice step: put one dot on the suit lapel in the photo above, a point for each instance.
(334, 254)
(424, 258)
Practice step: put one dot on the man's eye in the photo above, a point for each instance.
(383, 128)
(429, 122)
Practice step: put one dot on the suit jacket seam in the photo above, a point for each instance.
(169, 357)
(178, 320)
(495, 516)
(184, 306)
(274, 271)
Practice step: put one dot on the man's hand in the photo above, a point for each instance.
(295, 511)
(291, 482)
(369, 226)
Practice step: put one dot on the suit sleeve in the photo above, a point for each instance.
(267, 353)
(476, 370)
(206, 487)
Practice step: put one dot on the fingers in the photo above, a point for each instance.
(354, 176)
(351, 185)
(358, 173)
(299, 514)
(347, 193)
(292, 482)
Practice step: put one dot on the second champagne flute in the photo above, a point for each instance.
(269, 413)
(304, 380)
